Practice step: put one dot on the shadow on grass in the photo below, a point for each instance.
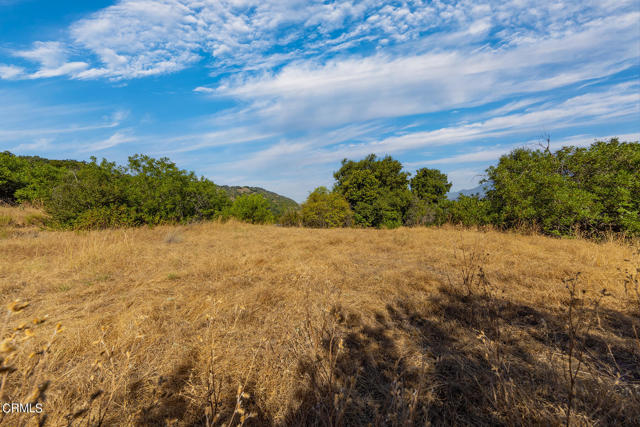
(458, 359)
(480, 360)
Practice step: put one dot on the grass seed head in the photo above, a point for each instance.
(17, 306)
(6, 346)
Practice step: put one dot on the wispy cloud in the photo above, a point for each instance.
(137, 38)
(287, 88)
(10, 72)
(308, 94)
(118, 138)
(53, 60)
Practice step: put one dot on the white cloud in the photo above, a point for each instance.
(48, 54)
(53, 60)
(618, 102)
(345, 90)
(118, 138)
(136, 38)
(9, 72)
(40, 144)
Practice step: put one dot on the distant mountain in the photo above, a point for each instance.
(279, 204)
(480, 189)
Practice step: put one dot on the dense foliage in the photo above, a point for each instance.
(278, 204)
(146, 191)
(592, 189)
(30, 178)
(253, 208)
(376, 189)
(430, 185)
(324, 209)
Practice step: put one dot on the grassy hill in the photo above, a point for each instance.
(278, 204)
(190, 324)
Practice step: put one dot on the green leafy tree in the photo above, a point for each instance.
(610, 172)
(161, 192)
(147, 191)
(253, 208)
(429, 203)
(527, 187)
(376, 190)
(430, 185)
(324, 209)
(469, 211)
(11, 178)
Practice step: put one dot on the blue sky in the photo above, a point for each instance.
(276, 93)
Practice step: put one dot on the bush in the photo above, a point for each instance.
(324, 209)
(290, 218)
(148, 191)
(422, 212)
(30, 179)
(253, 208)
(469, 211)
(105, 217)
(594, 189)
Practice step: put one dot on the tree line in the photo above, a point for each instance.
(593, 189)
(88, 195)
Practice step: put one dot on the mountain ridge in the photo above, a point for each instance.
(277, 202)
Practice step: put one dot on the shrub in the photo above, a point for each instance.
(148, 191)
(594, 189)
(324, 209)
(469, 211)
(253, 208)
(291, 218)
(422, 212)
(105, 217)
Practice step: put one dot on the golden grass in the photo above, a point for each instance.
(234, 323)
(20, 221)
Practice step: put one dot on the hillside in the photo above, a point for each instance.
(186, 325)
(279, 204)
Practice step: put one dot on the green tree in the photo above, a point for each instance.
(469, 211)
(324, 209)
(253, 208)
(527, 187)
(430, 185)
(161, 192)
(11, 178)
(610, 172)
(147, 191)
(376, 190)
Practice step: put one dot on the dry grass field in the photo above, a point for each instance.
(227, 324)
